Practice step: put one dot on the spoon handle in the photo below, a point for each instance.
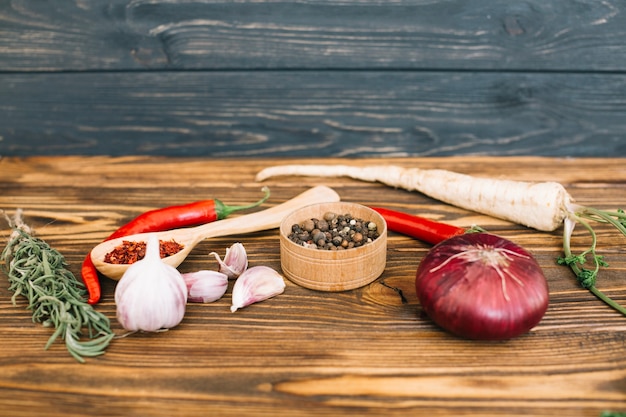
(266, 219)
(190, 237)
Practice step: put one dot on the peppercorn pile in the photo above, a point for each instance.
(334, 232)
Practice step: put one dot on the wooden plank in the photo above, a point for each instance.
(477, 34)
(300, 113)
(306, 353)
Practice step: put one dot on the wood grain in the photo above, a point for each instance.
(309, 353)
(117, 35)
(353, 78)
(328, 113)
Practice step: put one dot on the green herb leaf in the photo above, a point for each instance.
(55, 297)
(588, 277)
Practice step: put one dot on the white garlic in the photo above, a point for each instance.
(151, 295)
(235, 261)
(256, 284)
(205, 286)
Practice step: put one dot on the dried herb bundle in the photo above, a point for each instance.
(56, 298)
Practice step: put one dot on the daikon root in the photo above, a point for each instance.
(544, 206)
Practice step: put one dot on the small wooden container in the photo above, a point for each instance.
(327, 270)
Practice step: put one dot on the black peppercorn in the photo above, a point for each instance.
(334, 232)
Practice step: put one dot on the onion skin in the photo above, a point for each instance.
(483, 287)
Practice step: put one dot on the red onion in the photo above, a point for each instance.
(482, 286)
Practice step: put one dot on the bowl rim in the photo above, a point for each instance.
(346, 253)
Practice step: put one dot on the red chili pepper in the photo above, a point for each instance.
(166, 218)
(420, 228)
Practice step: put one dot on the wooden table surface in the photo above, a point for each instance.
(360, 352)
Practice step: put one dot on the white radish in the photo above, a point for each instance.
(542, 206)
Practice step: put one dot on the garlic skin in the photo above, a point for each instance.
(235, 261)
(151, 295)
(256, 284)
(205, 286)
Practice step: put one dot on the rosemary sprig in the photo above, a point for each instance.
(57, 299)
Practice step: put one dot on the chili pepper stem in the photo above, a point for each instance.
(172, 217)
(224, 210)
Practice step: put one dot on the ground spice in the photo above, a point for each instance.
(334, 232)
(130, 252)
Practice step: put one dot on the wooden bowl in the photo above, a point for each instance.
(336, 270)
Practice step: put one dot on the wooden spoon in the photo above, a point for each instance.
(190, 237)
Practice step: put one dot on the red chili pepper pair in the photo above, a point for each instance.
(158, 220)
(418, 227)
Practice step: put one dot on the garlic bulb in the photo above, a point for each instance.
(205, 286)
(151, 295)
(235, 261)
(256, 284)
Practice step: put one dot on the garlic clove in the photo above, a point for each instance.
(205, 286)
(256, 284)
(151, 295)
(235, 261)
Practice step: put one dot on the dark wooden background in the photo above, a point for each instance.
(344, 78)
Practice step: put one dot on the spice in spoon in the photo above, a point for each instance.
(130, 252)
(172, 217)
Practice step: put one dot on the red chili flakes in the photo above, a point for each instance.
(130, 252)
